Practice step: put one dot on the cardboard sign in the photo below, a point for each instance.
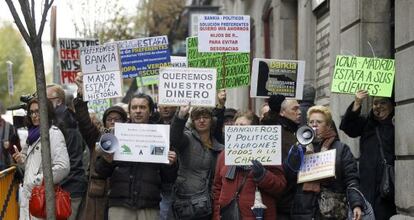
(317, 166)
(352, 73)
(224, 33)
(142, 142)
(69, 56)
(233, 69)
(271, 77)
(144, 56)
(101, 72)
(246, 143)
(179, 86)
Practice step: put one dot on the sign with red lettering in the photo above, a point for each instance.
(70, 59)
(224, 33)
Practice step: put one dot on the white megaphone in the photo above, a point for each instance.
(305, 135)
(108, 143)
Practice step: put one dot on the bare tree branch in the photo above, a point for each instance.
(25, 8)
(33, 13)
(19, 23)
(44, 15)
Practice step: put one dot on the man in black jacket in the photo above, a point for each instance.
(76, 181)
(134, 186)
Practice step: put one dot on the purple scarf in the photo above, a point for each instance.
(34, 134)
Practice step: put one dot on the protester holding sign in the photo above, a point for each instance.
(315, 194)
(269, 180)
(197, 151)
(95, 205)
(134, 191)
(376, 130)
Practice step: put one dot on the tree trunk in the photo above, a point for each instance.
(37, 55)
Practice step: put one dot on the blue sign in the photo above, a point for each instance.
(144, 56)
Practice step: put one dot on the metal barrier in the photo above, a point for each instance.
(9, 208)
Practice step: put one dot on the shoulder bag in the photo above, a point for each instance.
(388, 176)
(367, 211)
(232, 211)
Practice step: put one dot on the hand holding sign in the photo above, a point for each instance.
(79, 83)
(359, 96)
(221, 96)
(184, 110)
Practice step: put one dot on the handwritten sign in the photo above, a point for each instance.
(317, 166)
(102, 75)
(69, 56)
(179, 86)
(233, 69)
(224, 33)
(246, 143)
(142, 142)
(144, 56)
(271, 77)
(352, 73)
(99, 106)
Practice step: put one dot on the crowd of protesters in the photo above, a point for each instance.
(196, 183)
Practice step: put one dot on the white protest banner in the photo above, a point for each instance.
(224, 33)
(179, 86)
(101, 72)
(178, 61)
(317, 166)
(272, 76)
(142, 142)
(69, 57)
(246, 143)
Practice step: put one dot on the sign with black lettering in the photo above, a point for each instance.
(271, 77)
(69, 57)
(233, 69)
(224, 33)
(352, 73)
(101, 72)
(179, 86)
(246, 143)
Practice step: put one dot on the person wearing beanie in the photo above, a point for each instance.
(307, 101)
(286, 113)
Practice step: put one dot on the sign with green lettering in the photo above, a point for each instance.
(352, 73)
(233, 69)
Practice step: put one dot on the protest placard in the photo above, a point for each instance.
(144, 56)
(101, 72)
(176, 61)
(272, 76)
(69, 56)
(352, 73)
(317, 166)
(179, 86)
(142, 142)
(246, 143)
(233, 69)
(99, 106)
(224, 33)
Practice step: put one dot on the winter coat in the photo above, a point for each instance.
(305, 204)
(196, 162)
(370, 162)
(33, 174)
(224, 189)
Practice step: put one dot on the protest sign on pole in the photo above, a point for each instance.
(101, 72)
(10, 83)
(144, 56)
(272, 76)
(70, 57)
(352, 73)
(233, 69)
(142, 142)
(246, 143)
(317, 166)
(224, 33)
(179, 86)
(176, 61)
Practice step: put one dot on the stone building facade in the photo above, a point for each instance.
(318, 30)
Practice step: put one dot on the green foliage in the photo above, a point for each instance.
(12, 48)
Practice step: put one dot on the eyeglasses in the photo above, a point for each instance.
(115, 119)
(34, 112)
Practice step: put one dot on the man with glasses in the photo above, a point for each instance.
(76, 181)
